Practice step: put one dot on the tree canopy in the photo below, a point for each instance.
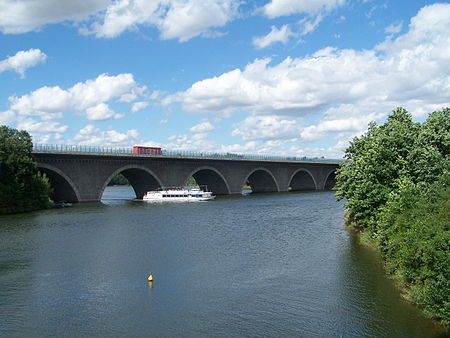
(22, 187)
(396, 182)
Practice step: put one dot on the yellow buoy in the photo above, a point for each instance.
(150, 277)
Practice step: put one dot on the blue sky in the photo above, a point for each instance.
(282, 77)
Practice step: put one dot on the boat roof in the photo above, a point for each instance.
(183, 188)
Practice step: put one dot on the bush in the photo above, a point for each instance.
(22, 187)
(397, 185)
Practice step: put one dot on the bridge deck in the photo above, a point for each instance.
(175, 154)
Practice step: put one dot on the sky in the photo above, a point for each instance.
(278, 77)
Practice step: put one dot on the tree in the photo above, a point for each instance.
(375, 162)
(386, 154)
(397, 184)
(22, 187)
(119, 179)
(430, 157)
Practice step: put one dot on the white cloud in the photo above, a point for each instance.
(101, 112)
(187, 142)
(276, 35)
(45, 101)
(267, 128)
(175, 19)
(139, 106)
(313, 10)
(90, 135)
(34, 126)
(284, 33)
(89, 97)
(105, 88)
(276, 8)
(23, 60)
(203, 127)
(294, 86)
(308, 25)
(7, 117)
(394, 28)
(186, 19)
(200, 143)
(411, 70)
(325, 127)
(374, 8)
(155, 95)
(25, 16)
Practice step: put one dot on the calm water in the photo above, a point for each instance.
(249, 266)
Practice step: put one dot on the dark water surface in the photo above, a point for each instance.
(273, 265)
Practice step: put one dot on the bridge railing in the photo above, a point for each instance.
(98, 150)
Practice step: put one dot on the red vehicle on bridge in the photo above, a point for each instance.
(139, 150)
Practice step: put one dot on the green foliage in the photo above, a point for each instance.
(119, 179)
(22, 187)
(191, 182)
(378, 160)
(396, 182)
(414, 238)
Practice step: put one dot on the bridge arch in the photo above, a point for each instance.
(261, 180)
(330, 180)
(141, 179)
(302, 179)
(63, 187)
(212, 178)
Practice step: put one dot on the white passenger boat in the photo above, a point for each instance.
(182, 194)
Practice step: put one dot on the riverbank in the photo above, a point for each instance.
(405, 289)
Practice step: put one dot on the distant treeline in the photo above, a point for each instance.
(397, 185)
(119, 179)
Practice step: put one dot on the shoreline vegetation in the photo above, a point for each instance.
(396, 182)
(22, 187)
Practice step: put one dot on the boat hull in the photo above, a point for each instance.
(179, 199)
(178, 195)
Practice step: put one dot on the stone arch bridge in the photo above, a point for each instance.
(79, 177)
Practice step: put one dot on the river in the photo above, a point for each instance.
(262, 265)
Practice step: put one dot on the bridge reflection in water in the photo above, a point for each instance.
(81, 173)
